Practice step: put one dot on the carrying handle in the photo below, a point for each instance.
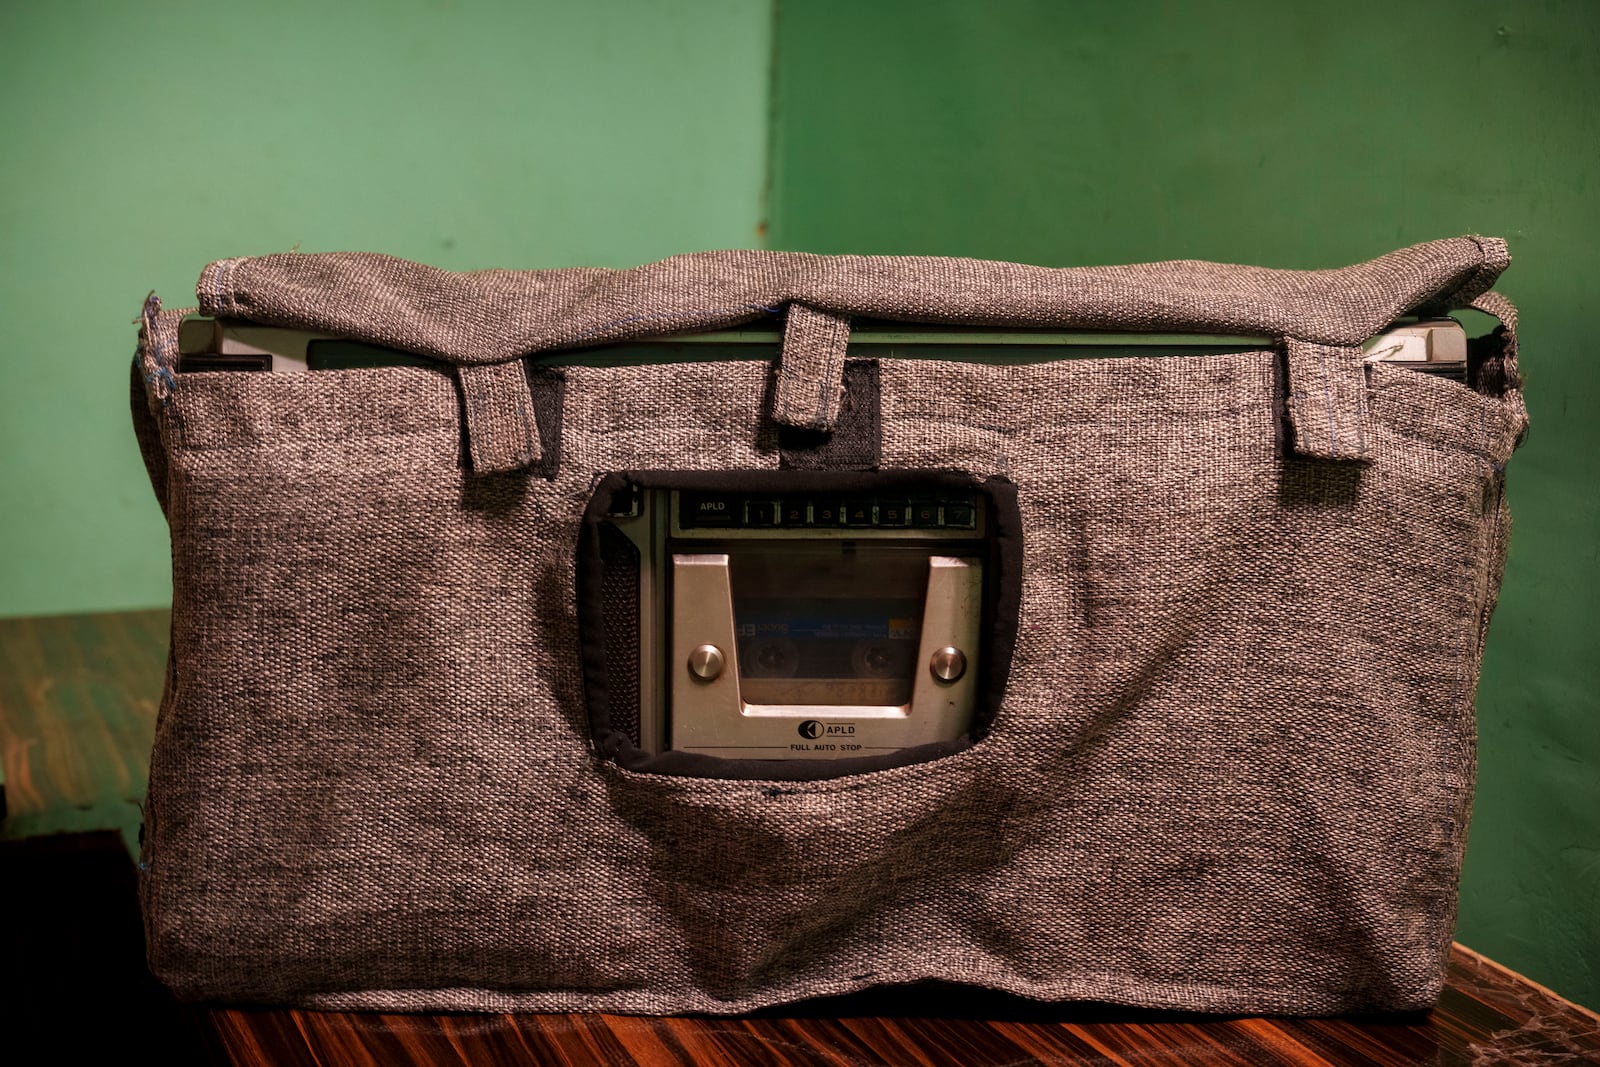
(495, 317)
(499, 315)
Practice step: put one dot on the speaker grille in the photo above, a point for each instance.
(619, 603)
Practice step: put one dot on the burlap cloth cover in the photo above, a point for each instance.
(1232, 771)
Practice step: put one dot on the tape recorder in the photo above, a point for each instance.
(792, 617)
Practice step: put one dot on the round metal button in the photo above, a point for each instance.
(948, 664)
(706, 662)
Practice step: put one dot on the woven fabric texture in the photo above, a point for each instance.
(1231, 773)
(811, 369)
(497, 404)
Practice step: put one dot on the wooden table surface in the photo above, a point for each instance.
(78, 698)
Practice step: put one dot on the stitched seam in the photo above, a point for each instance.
(788, 356)
(497, 409)
(1327, 399)
(832, 383)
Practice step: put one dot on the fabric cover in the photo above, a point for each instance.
(1231, 772)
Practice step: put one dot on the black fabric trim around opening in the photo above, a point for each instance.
(611, 732)
(855, 442)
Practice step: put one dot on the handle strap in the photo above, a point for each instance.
(502, 428)
(1327, 400)
(811, 369)
(490, 323)
(498, 315)
(505, 426)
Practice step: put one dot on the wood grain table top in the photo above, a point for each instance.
(78, 697)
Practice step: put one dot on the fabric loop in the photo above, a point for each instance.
(502, 430)
(1328, 400)
(1496, 304)
(1498, 375)
(811, 369)
(382, 669)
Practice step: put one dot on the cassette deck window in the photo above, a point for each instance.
(795, 624)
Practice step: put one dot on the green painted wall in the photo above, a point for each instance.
(143, 140)
(1294, 135)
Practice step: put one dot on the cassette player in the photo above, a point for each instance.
(801, 617)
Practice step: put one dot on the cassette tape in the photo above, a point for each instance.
(793, 620)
